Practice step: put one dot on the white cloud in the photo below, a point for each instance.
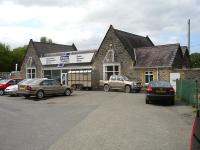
(85, 22)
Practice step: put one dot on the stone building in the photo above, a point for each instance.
(55, 61)
(120, 53)
(137, 57)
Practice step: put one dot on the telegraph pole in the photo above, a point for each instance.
(189, 35)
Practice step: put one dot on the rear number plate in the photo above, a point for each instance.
(160, 91)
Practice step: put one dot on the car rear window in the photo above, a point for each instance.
(36, 81)
(160, 84)
(25, 81)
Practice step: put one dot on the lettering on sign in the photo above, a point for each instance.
(50, 60)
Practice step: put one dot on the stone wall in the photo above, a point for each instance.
(121, 56)
(31, 52)
(189, 74)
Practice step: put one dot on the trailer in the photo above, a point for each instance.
(80, 79)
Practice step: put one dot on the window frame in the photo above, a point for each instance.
(31, 73)
(148, 74)
(114, 72)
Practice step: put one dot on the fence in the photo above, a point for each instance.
(4, 75)
(187, 91)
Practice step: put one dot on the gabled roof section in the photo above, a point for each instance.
(45, 48)
(156, 56)
(184, 50)
(131, 41)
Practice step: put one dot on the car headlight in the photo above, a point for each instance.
(134, 84)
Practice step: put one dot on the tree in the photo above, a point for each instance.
(195, 60)
(17, 56)
(5, 59)
(44, 39)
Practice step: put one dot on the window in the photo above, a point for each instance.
(109, 70)
(30, 73)
(148, 76)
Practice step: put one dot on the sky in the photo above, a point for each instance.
(85, 22)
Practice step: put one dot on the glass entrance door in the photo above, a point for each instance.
(64, 78)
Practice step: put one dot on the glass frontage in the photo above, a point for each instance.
(109, 70)
(148, 76)
(52, 74)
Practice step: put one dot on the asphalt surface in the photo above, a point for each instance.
(92, 120)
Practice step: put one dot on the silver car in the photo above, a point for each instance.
(13, 89)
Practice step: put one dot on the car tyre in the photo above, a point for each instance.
(172, 102)
(147, 101)
(40, 94)
(106, 88)
(26, 96)
(127, 89)
(1, 92)
(67, 92)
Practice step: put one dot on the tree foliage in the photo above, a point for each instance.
(9, 58)
(195, 60)
(4, 58)
(44, 39)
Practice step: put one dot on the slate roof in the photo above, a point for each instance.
(156, 56)
(131, 41)
(44, 48)
(184, 49)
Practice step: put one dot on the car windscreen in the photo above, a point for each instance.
(125, 78)
(164, 84)
(4, 81)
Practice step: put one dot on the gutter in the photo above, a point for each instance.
(153, 67)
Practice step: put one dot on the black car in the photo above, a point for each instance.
(160, 91)
(195, 136)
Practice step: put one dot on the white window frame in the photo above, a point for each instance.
(31, 74)
(149, 74)
(113, 65)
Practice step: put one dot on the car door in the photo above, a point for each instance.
(112, 82)
(57, 87)
(120, 82)
(195, 137)
(46, 86)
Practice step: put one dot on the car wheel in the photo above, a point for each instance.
(127, 89)
(147, 100)
(40, 94)
(172, 102)
(106, 88)
(1, 92)
(67, 92)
